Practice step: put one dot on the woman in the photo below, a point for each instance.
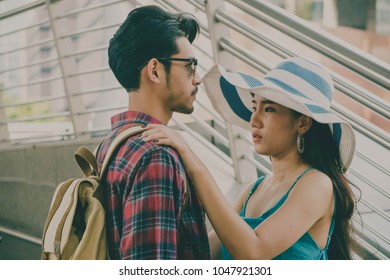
(303, 209)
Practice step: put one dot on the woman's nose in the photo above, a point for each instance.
(255, 121)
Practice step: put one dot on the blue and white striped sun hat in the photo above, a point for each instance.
(295, 83)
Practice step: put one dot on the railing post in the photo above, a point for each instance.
(4, 132)
(245, 172)
(75, 103)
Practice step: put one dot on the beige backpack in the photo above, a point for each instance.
(75, 225)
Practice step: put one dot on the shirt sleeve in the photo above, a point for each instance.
(150, 208)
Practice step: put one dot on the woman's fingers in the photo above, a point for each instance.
(162, 135)
(151, 135)
(155, 132)
(152, 132)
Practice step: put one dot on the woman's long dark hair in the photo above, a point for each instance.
(322, 153)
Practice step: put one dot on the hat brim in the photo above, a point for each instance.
(231, 94)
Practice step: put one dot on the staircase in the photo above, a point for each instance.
(68, 40)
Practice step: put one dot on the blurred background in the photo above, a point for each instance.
(57, 92)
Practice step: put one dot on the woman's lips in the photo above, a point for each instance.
(256, 137)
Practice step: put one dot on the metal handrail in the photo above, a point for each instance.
(369, 183)
(89, 71)
(34, 82)
(21, 235)
(198, 4)
(41, 62)
(373, 163)
(96, 90)
(217, 151)
(22, 9)
(37, 117)
(331, 46)
(380, 212)
(363, 96)
(373, 231)
(88, 8)
(39, 100)
(361, 125)
(85, 51)
(211, 130)
(216, 117)
(90, 29)
(258, 165)
(40, 43)
(24, 28)
(371, 249)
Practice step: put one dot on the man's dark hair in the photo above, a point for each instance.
(148, 32)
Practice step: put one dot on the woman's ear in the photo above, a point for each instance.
(305, 123)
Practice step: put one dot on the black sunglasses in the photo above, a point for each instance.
(191, 67)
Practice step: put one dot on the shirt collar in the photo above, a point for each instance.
(130, 117)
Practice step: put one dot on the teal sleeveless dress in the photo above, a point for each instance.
(304, 249)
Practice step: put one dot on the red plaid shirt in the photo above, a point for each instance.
(144, 187)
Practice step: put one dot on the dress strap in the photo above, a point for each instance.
(254, 188)
(258, 182)
(297, 179)
(331, 223)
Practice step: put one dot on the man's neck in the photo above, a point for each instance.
(149, 105)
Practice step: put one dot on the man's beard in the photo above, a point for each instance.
(184, 109)
(179, 108)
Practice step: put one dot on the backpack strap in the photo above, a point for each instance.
(87, 160)
(118, 140)
(184, 197)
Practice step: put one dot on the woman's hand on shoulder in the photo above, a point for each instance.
(164, 135)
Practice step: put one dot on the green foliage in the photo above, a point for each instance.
(23, 111)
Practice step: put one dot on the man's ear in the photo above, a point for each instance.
(153, 69)
(305, 123)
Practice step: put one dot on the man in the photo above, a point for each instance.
(152, 58)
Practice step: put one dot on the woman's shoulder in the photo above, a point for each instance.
(315, 183)
(317, 176)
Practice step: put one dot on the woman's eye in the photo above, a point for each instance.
(269, 109)
(254, 109)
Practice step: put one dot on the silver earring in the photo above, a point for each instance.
(300, 143)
